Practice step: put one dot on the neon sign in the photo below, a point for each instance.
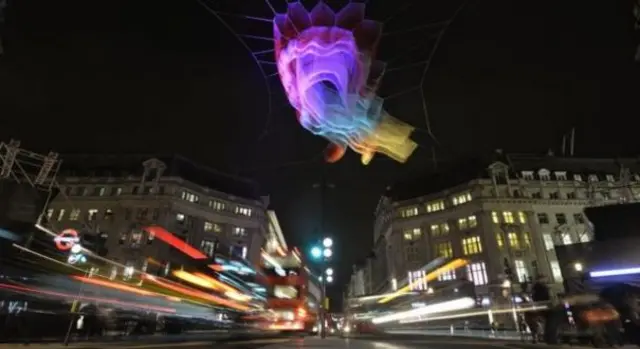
(69, 240)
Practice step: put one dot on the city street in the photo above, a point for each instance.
(377, 342)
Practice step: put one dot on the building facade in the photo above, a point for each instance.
(116, 196)
(511, 210)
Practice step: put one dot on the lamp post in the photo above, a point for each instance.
(323, 255)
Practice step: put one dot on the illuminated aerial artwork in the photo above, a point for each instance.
(327, 65)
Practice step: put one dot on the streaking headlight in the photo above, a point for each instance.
(442, 307)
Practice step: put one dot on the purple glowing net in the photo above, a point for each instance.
(326, 62)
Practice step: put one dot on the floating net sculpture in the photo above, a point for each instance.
(327, 65)
(297, 44)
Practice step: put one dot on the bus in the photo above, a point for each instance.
(293, 295)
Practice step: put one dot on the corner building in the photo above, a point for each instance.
(512, 207)
(116, 195)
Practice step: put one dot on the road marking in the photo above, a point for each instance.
(168, 345)
(261, 341)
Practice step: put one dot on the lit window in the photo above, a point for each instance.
(101, 191)
(409, 212)
(461, 199)
(508, 217)
(577, 178)
(514, 242)
(187, 196)
(444, 228)
(495, 217)
(566, 239)
(49, 213)
(435, 206)
(499, 240)
(439, 229)
(477, 273)
(216, 205)
(417, 233)
(180, 217)
(527, 175)
(548, 242)
(526, 238)
(522, 217)
(243, 211)
(92, 214)
(521, 270)
(208, 247)
(472, 221)
(239, 231)
(561, 176)
(544, 175)
(444, 249)
(556, 271)
(471, 245)
(447, 275)
(407, 236)
(611, 178)
(60, 214)
(74, 215)
(584, 237)
(593, 178)
(463, 223)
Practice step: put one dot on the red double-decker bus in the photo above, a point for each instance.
(293, 296)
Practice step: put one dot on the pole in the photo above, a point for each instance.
(74, 309)
(323, 329)
(323, 186)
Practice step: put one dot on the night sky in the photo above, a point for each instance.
(124, 76)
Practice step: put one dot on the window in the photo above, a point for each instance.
(49, 213)
(461, 199)
(584, 237)
(522, 217)
(499, 240)
(216, 205)
(561, 176)
(99, 191)
(435, 206)
(554, 195)
(447, 275)
(566, 239)
(548, 242)
(471, 245)
(108, 214)
(527, 175)
(526, 239)
(472, 221)
(208, 247)
(577, 178)
(412, 234)
(188, 196)
(508, 217)
(412, 253)
(92, 214)
(439, 229)
(142, 213)
(116, 191)
(611, 178)
(593, 178)
(239, 231)
(444, 249)
(463, 223)
(578, 218)
(495, 217)
(521, 270)
(409, 212)
(243, 211)
(556, 272)
(136, 237)
(514, 242)
(477, 273)
(212, 227)
(561, 218)
(180, 217)
(74, 215)
(543, 218)
(544, 175)
(571, 195)
(61, 214)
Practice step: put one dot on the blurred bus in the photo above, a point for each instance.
(293, 294)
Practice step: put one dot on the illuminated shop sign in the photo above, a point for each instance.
(69, 240)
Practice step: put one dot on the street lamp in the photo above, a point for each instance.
(329, 271)
(327, 242)
(323, 253)
(327, 253)
(329, 279)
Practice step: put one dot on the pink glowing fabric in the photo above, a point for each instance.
(326, 62)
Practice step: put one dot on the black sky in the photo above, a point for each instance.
(165, 76)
